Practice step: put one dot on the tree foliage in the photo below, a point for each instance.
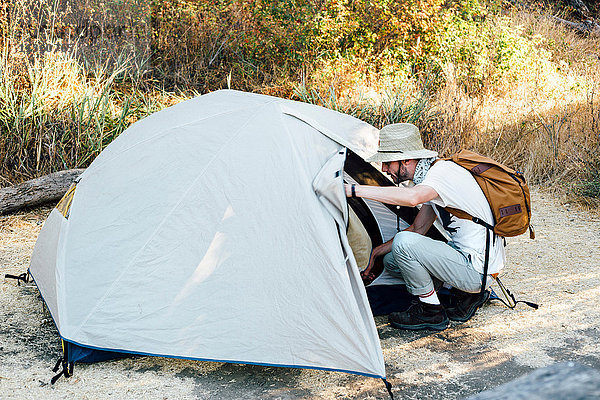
(206, 41)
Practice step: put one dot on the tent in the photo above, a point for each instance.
(216, 230)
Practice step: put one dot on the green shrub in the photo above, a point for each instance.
(262, 42)
(491, 53)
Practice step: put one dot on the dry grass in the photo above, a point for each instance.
(514, 86)
(545, 120)
(537, 109)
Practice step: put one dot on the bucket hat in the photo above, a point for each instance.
(400, 142)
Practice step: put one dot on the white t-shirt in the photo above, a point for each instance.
(457, 188)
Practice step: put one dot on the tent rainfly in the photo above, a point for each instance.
(215, 230)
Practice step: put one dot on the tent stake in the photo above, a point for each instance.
(388, 386)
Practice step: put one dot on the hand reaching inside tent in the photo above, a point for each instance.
(369, 274)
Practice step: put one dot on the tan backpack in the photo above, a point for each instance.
(505, 190)
(508, 196)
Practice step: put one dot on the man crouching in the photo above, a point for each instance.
(416, 258)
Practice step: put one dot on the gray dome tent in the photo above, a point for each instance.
(216, 230)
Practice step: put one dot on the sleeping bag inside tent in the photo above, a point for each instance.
(216, 230)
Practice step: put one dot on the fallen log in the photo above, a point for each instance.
(580, 7)
(37, 191)
(588, 27)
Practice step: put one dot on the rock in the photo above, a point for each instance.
(562, 381)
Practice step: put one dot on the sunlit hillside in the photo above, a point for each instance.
(510, 82)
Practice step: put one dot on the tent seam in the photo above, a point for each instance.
(318, 127)
(289, 134)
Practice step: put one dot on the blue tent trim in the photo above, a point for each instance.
(82, 354)
(91, 354)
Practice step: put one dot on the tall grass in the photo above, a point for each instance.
(392, 106)
(512, 85)
(541, 115)
(56, 115)
(60, 107)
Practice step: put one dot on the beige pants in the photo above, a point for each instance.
(416, 259)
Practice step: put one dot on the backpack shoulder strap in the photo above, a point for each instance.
(455, 211)
(459, 213)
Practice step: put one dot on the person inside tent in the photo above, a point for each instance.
(418, 259)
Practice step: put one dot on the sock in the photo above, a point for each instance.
(430, 298)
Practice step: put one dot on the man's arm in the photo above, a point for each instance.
(421, 225)
(423, 221)
(378, 251)
(400, 196)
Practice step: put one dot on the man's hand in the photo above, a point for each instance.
(378, 251)
(367, 271)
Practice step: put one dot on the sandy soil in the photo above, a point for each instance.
(560, 270)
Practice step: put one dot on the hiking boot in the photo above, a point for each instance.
(465, 304)
(420, 316)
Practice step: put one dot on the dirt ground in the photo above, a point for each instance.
(560, 270)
